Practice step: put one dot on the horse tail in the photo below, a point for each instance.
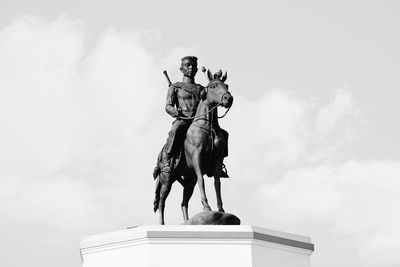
(157, 195)
(157, 168)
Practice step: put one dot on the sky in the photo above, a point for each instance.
(313, 128)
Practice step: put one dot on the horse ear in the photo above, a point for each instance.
(223, 79)
(209, 75)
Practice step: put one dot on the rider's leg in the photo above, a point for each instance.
(225, 135)
(221, 142)
(173, 145)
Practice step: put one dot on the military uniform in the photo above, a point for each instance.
(186, 97)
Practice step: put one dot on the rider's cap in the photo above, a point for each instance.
(190, 57)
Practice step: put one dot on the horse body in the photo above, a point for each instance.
(198, 137)
(199, 150)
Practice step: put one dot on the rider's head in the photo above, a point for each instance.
(189, 66)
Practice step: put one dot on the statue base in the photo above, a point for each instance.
(213, 218)
(195, 246)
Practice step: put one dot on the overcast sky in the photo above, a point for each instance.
(314, 126)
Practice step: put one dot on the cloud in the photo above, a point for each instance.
(81, 129)
(293, 164)
(351, 201)
(280, 131)
(82, 126)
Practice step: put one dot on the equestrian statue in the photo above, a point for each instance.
(196, 144)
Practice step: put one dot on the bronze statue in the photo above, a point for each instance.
(196, 145)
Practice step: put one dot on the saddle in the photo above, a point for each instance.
(217, 149)
(175, 161)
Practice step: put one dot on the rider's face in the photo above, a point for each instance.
(189, 68)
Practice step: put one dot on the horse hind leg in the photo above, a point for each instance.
(156, 201)
(166, 184)
(188, 187)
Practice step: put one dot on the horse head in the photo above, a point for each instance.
(217, 91)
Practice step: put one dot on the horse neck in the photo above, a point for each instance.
(205, 117)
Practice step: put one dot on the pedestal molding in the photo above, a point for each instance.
(176, 245)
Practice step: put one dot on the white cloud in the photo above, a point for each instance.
(80, 132)
(292, 155)
(280, 131)
(354, 201)
(329, 116)
(82, 126)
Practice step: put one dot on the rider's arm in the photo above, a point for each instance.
(171, 102)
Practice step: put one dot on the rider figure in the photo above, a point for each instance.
(183, 99)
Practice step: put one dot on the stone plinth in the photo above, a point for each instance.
(196, 246)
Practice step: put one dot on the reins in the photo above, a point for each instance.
(201, 115)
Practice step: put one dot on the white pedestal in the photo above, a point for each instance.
(196, 246)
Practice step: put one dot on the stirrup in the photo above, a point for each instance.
(224, 171)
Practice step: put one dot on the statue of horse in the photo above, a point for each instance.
(203, 151)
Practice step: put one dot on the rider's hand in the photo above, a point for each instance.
(179, 110)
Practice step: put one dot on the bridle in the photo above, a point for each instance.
(219, 104)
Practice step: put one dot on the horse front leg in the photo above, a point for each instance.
(217, 185)
(189, 184)
(200, 180)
